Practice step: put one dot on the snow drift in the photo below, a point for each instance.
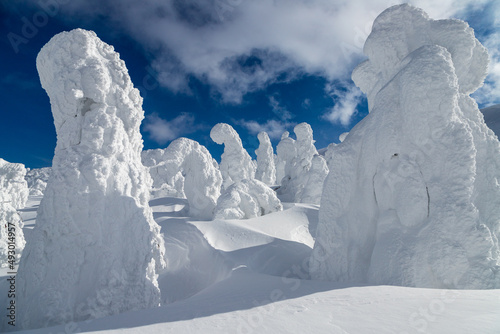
(95, 249)
(413, 194)
(235, 164)
(247, 199)
(13, 196)
(190, 167)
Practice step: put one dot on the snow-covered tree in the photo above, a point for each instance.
(13, 196)
(297, 168)
(168, 180)
(95, 249)
(285, 151)
(236, 164)
(412, 198)
(247, 199)
(266, 170)
(314, 180)
(201, 178)
(37, 180)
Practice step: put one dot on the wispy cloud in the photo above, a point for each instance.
(162, 131)
(346, 102)
(273, 128)
(242, 46)
(278, 109)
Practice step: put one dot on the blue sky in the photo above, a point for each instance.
(258, 65)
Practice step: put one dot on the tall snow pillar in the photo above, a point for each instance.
(95, 250)
(413, 193)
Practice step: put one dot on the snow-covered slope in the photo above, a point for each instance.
(492, 118)
(251, 276)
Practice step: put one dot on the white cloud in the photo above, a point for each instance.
(163, 131)
(278, 109)
(273, 128)
(240, 46)
(346, 103)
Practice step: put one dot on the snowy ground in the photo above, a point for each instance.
(250, 276)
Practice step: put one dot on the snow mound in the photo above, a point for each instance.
(13, 196)
(247, 199)
(266, 170)
(236, 164)
(413, 194)
(298, 155)
(168, 181)
(37, 180)
(95, 249)
(186, 160)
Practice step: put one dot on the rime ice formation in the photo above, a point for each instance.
(95, 250)
(235, 164)
(285, 151)
(13, 196)
(266, 170)
(413, 194)
(298, 164)
(201, 178)
(314, 180)
(247, 199)
(37, 180)
(168, 180)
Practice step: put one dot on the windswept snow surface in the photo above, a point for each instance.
(250, 276)
(96, 249)
(236, 164)
(413, 193)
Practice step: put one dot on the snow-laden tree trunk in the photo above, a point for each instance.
(95, 250)
(412, 197)
(266, 170)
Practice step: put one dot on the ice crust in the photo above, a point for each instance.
(413, 194)
(95, 249)
(247, 199)
(13, 196)
(266, 169)
(236, 164)
(190, 168)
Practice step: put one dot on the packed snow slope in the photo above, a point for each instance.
(250, 276)
(413, 193)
